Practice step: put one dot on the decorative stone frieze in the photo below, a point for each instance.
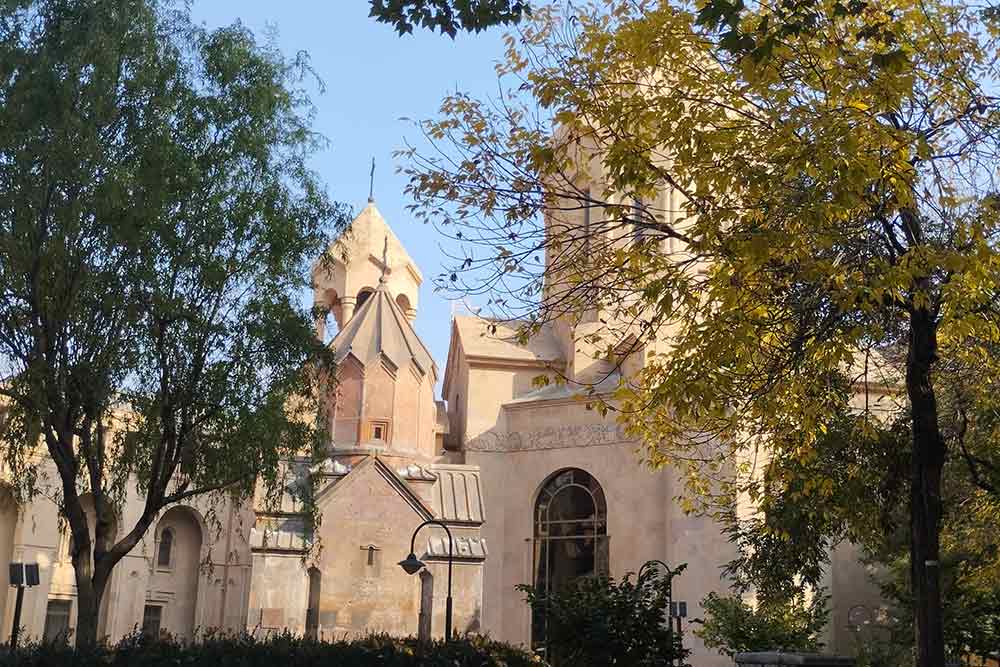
(571, 435)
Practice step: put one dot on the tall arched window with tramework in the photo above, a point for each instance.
(165, 552)
(571, 535)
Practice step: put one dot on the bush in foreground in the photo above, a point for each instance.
(602, 621)
(283, 650)
(732, 626)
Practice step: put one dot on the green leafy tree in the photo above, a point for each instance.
(156, 217)
(448, 16)
(770, 229)
(595, 621)
(970, 573)
(785, 547)
(733, 626)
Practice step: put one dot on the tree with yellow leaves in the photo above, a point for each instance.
(830, 224)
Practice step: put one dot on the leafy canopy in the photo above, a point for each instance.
(157, 218)
(780, 219)
(814, 201)
(448, 16)
(733, 626)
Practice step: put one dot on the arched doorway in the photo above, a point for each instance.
(172, 597)
(570, 535)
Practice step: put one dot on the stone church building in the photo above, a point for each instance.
(534, 488)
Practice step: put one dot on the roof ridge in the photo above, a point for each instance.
(370, 333)
(404, 323)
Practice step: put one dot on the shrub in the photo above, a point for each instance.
(733, 626)
(243, 650)
(597, 621)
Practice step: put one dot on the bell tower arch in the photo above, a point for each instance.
(349, 272)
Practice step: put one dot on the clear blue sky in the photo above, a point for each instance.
(373, 78)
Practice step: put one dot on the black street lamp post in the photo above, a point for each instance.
(676, 610)
(22, 575)
(412, 565)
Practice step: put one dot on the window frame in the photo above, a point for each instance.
(161, 607)
(639, 211)
(545, 542)
(68, 627)
(169, 565)
(379, 424)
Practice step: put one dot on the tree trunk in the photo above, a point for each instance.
(91, 577)
(925, 490)
(88, 600)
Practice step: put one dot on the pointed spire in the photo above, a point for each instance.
(371, 183)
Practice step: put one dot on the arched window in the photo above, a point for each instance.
(403, 302)
(571, 535)
(166, 547)
(363, 296)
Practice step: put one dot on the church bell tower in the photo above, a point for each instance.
(384, 398)
(368, 251)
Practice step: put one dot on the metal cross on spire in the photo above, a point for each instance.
(371, 183)
(385, 258)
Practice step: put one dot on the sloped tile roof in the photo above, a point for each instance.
(379, 328)
(468, 548)
(458, 493)
(479, 341)
(565, 390)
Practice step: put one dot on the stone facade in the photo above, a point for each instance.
(201, 579)
(533, 485)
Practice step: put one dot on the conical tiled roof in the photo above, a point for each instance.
(380, 328)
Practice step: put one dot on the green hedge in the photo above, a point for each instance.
(280, 651)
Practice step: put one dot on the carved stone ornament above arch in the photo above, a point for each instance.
(552, 437)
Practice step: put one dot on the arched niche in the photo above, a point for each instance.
(172, 596)
(328, 311)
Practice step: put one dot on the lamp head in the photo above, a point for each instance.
(412, 564)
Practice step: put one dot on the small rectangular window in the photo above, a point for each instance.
(57, 615)
(373, 560)
(152, 617)
(379, 430)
